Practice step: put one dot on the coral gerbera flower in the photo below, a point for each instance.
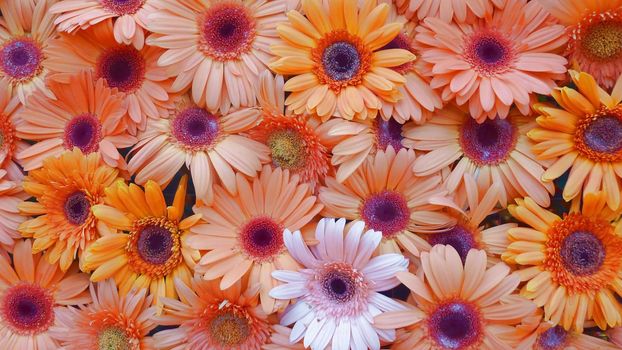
(208, 144)
(488, 63)
(585, 136)
(31, 291)
(389, 198)
(84, 114)
(11, 194)
(10, 144)
(595, 36)
(337, 292)
(457, 306)
(133, 72)
(65, 189)
(149, 249)
(219, 47)
(244, 233)
(572, 265)
(130, 17)
(337, 60)
(496, 151)
(110, 322)
(25, 32)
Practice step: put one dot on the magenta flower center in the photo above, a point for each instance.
(604, 134)
(388, 133)
(455, 325)
(261, 238)
(123, 67)
(338, 290)
(488, 143)
(77, 208)
(386, 212)
(553, 338)
(123, 7)
(227, 31)
(20, 59)
(83, 131)
(582, 253)
(195, 128)
(458, 237)
(27, 309)
(341, 61)
(155, 244)
(489, 53)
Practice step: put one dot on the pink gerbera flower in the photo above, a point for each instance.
(337, 291)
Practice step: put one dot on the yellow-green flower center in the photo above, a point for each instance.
(229, 329)
(287, 148)
(604, 40)
(113, 338)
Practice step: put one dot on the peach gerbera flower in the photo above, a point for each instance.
(11, 194)
(85, 114)
(336, 59)
(31, 292)
(10, 144)
(25, 32)
(457, 306)
(447, 9)
(488, 63)
(497, 151)
(65, 189)
(279, 340)
(208, 144)
(594, 36)
(583, 135)
(219, 47)
(148, 248)
(243, 233)
(572, 264)
(130, 17)
(133, 72)
(615, 335)
(110, 322)
(389, 198)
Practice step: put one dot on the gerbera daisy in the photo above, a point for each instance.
(337, 292)
(595, 36)
(111, 322)
(219, 47)
(208, 144)
(31, 291)
(10, 144)
(496, 151)
(572, 265)
(389, 198)
(488, 63)
(540, 335)
(149, 249)
(585, 136)
(339, 49)
(615, 335)
(25, 31)
(11, 194)
(457, 306)
(215, 319)
(244, 233)
(84, 114)
(446, 9)
(65, 189)
(133, 72)
(279, 340)
(130, 17)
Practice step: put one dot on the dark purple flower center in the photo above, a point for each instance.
(83, 131)
(155, 244)
(604, 134)
(458, 237)
(20, 59)
(488, 53)
(262, 238)
(388, 133)
(488, 143)
(386, 212)
(27, 309)
(195, 127)
(582, 253)
(455, 325)
(553, 338)
(228, 31)
(338, 286)
(123, 67)
(341, 61)
(122, 7)
(77, 208)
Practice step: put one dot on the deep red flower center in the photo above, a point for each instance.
(261, 238)
(123, 67)
(388, 133)
(489, 53)
(459, 237)
(401, 41)
(27, 309)
(123, 7)
(582, 253)
(155, 244)
(227, 31)
(553, 338)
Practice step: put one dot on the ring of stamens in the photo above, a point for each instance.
(598, 36)
(489, 52)
(21, 59)
(598, 136)
(231, 326)
(227, 31)
(123, 7)
(27, 308)
(154, 247)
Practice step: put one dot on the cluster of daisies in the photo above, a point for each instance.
(323, 174)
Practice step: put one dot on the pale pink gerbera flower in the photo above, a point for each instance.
(494, 62)
(337, 290)
(130, 17)
(218, 47)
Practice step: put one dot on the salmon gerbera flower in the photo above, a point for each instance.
(572, 264)
(10, 144)
(11, 194)
(446, 10)
(110, 322)
(84, 114)
(489, 64)
(218, 47)
(149, 248)
(584, 135)
(65, 189)
(338, 291)
(336, 59)
(457, 305)
(244, 233)
(31, 292)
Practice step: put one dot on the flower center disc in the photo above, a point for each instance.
(488, 143)
(401, 41)
(287, 148)
(227, 31)
(123, 67)
(195, 128)
(338, 286)
(489, 53)
(229, 329)
(603, 40)
(27, 309)
(341, 61)
(582, 253)
(154, 247)
(386, 212)
(123, 7)
(455, 325)
(83, 131)
(459, 237)
(261, 238)
(599, 136)
(20, 59)
(553, 338)
(388, 132)
(113, 338)
(155, 244)
(77, 208)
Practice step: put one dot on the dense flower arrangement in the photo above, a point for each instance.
(323, 174)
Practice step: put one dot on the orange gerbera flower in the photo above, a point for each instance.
(244, 233)
(110, 322)
(149, 249)
(84, 114)
(25, 32)
(337, 59)
(11, 194)
(133, 72)
(10, 144)
(388, 197)
(65, 189)
(572, 265)
(31, 291)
